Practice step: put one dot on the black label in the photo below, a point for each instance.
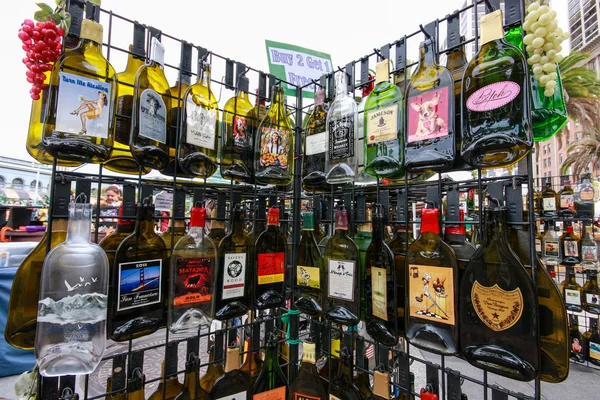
(341, 138)
(139, 283)
(193, 281)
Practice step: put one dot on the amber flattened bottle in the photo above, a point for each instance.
(191, 381)
(308, 270)
(25, 292)
(253, 362)
(307, 384)
(342, 385)
(380, 286)
(198, 144)
(234, 384)
(80, 122)
(496, 117)
(429, 137)
(567, 200)
(431, 317)
(550, 200)
(592, 342)
(383, 133)
(38, 107)
(570, 247)
(233, 276)
(274, 145)
(217, 227)
(341, 283)
(170, 385)
(151, 112)
(576, 339)
(456, 236)
(271, 249)
(237, 155)
(572, 291)
(499, 325)
(315, 147)
(140, 268)
(591, 292)
(584, 199)
(214, 370)
(121, 160)
(135, 385)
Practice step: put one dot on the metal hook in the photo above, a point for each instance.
(429, 203)
(427, 35)
(493, 199)
(489, 6)
(81, 196)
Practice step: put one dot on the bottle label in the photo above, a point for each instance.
(234, 273)
(538, 246)
(241, 133)
(595, 351)
(586, 193)
(382, 125)
(493, 96)
(237, 396)
(273, 394)
(271, 268)
(428, 115)
(316, 144)
(497, 308)
(308, 276)
(333, 397)
(83, 106)
(571, 249)
(153, 116)
(200, 125)
(590, 253)
(274, 147)
(576, 347)
(379, 292)
(139, 284)
(300, 396)
(341, 138)
(592, 298)
(551, 248)
(341, 279)
(572, 297)
(567, 202)
(549, 204)
(431, 293)
(193, 280)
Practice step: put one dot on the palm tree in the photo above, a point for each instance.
(582, 93)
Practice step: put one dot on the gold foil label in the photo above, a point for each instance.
(382, 125)
(379, 292)
(497, 308)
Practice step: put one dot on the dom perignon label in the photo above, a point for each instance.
(341, 138)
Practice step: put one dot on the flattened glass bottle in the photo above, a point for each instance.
(192, 280)
(308, 270)
(429, 137)
(592, 342)
(567, 200)
(197, 154)
(234, 384)
(170, 385)
(307, 384)
(496, 116)
(271, 253)
(380, 286)
(383, 138)
(589, 250)
(576, 339)
(233, 277)
(456, 236)
(274, 145)
(191, 381)
(214, 370)
(570, 247)
(140, 268)
(82, 96)
(341, 283)
(550, 200)
(342, 385)
(151, 116)
(342, 135)
(315, 147)
(572, 291)
(237, 155)
(591, 292)
(271, 382)
(585, 197)
(499, 325)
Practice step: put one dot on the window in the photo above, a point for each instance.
(35, 183)
(18, 183)
(560, 158)
(544, 149)
(545, 163)
(2, 181)
(577, 136)
(549, 161)
(549, 148)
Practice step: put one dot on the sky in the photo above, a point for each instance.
(236, 29)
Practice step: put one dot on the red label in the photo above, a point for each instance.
(492, 96)
(193, 280)
(271, 267)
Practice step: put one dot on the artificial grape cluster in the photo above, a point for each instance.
(543, 40)
(42, 45)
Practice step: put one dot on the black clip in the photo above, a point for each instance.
(229, 74)
(350, 76)
(262, 86)
(154, 32)
(83, 186)
(400, 55)
(221, 206)
(364, 70)
(330, 86)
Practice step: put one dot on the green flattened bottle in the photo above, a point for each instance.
(271, 382)
(81, 102)
(237, 155)
(315, 146)
(274, 145)
(496, 116)
(308, 270)
(151, 116)
(383, 139)
(363, 238)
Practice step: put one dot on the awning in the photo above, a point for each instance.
(18, 194)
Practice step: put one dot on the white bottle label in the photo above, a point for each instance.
(316, 144)
(234, 275)
(83, 106)
(139, 284)
(341, 279)
(538, 245)
(572, 297)
(549, 204)
(200, 126)
(153, 116)
(551, 249)
(592, 298)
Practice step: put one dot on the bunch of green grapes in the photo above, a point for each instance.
(543, 41)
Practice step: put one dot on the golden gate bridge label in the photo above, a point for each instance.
(139, 284)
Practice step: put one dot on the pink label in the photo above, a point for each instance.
(320, 97)
(493, 96)
(428, 115)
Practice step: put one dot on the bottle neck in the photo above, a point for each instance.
(133, 64)
(427, 56)
(204, 76)
(495, 226)
(456, 59)
(190, 379)
(90, 46)
(237, 224)
(378, 227)
(79, 231)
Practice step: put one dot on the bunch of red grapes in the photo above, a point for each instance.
(42, 44)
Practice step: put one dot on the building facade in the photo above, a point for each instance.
(24, 175)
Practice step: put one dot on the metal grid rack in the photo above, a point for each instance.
(395, 195)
